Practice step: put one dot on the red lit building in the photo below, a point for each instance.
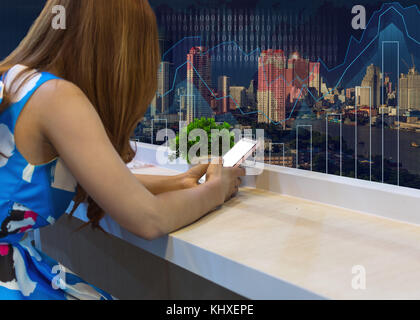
(314, 77)
(271, 96)
(300, 70)
(198, 92)
(301, 74)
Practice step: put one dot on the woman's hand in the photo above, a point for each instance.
(190, 178)
(228, 179)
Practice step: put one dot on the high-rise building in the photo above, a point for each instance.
(152, 108)
(251, 95)
(324, 89)
(163, 96)
(297, 76)
(314, 77)
(300, 70)
(387, 85)
(198, 83)
(363, 96)
(223, 85)
(371, 85)
(410, 90)
(215, 102)
(301, 75)
(350, 93)
(290, 88)
(238, 95)
(271, 94)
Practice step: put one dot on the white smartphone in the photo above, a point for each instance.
(242, 150)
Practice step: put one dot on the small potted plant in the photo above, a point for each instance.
(208, 125)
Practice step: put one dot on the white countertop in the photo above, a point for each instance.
(265, 245)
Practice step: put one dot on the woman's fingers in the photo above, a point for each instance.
(199, 169)
(216, 161)
(239, 172)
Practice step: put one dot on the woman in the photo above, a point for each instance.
(71, 101)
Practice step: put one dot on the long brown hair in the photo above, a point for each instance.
(110, 50)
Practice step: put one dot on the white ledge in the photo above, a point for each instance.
(368, 197)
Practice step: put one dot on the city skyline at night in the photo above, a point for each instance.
(360, 107)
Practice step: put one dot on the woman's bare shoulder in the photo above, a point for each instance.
(60, 98)
(60, 105)
(58, 90)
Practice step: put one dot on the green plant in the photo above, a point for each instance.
(208, 125)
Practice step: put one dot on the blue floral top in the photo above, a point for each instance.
(32, 197)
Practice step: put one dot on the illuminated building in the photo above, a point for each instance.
(238, 95)
(223, 90)
(198, 83)
(410, 90)
(297, 76)
(163, 98)
(271, 95)
(350, 93)
(371, 85)
(314, 77)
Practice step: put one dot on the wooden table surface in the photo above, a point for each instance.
(312, 245)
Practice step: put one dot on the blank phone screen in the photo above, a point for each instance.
(239, 150)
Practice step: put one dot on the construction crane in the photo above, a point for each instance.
(410, 69)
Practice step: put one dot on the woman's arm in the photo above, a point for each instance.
(71, 124)
(162, 184)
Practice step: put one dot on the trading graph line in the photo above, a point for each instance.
(353, 39)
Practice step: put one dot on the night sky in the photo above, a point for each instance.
(16, 16)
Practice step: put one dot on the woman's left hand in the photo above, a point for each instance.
(191, 177)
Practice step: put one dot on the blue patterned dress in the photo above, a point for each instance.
(32, 197)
